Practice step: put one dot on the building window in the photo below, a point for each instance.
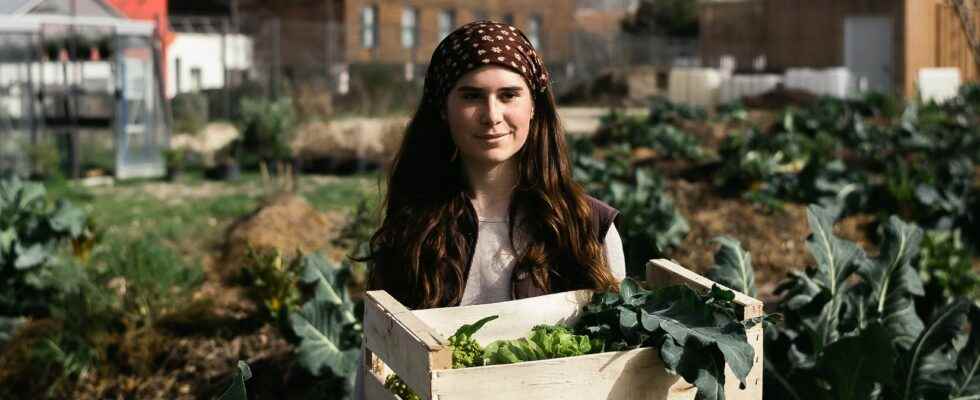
(509, 19)
(197, 82)
(410, 27)
(369, 27)
(534, 31)
(447, 21)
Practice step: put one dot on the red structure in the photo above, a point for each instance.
(150, 10)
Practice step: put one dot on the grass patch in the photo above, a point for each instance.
(190, 216)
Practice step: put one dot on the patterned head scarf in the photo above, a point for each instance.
(477, 44)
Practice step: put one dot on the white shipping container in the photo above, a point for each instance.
(939, 84)
(834, 82)
(694, 86)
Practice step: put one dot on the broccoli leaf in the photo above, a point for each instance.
(733, 267)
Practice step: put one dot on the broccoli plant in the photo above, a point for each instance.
(851, 330)
(328, 332)
(33, 232)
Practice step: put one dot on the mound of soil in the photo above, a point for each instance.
(285, 222)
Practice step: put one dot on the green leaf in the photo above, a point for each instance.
(469, 329)
(968, 363)
(837, 260)
(237, 389)
(7, 239)
(688, 319)
(320, 328)
(733, 267)
(325, 278)
(28, 194)
(835, 257)
(324, 322)
(923, 363)
(894, 281)
(629, 290)
(855, 365)
(30, 257)
(68, 218)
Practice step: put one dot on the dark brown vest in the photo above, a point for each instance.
(521, 282)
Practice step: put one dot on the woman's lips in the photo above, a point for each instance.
(492, 136)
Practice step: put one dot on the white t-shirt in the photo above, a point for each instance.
(494, 258)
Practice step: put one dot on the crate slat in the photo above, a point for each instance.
(403, 342)
(514, 316)
(374, 388)
(631, 375)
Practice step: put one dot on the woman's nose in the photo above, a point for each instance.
(492, 111)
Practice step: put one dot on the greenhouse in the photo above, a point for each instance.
(79, 91)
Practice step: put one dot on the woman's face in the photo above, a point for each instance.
(489, 113)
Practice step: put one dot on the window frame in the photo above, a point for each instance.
(448, 28)
(369, 33)
(410, 33)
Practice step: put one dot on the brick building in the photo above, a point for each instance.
(313, 34)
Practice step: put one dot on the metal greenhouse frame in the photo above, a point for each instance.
(65, 79)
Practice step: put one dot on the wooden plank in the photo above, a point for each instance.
(753, 382)
(374, 388)
(516, 318)
(665, 272)
(630, 375)
(403, 342)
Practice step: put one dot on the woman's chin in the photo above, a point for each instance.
(490, 158)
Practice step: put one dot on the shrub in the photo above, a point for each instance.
(190, 112)
(45, 159)
(266, 128)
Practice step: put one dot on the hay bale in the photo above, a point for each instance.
(371, 141)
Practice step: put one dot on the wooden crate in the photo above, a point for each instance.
(415, 345)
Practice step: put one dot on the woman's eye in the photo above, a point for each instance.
(470, 96)
(509, 96)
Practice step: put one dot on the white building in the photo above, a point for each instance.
(194, 60)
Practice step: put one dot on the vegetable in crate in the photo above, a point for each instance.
(397, 386)
(697, 334)
(545, 342)
(466, 351)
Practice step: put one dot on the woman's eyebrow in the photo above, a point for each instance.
(479, 89)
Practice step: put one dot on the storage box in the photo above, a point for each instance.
(415, 345)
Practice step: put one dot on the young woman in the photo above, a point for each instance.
(481, 206)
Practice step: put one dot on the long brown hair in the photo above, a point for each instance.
(421, 252)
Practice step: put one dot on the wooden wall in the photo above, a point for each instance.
(810, 33)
